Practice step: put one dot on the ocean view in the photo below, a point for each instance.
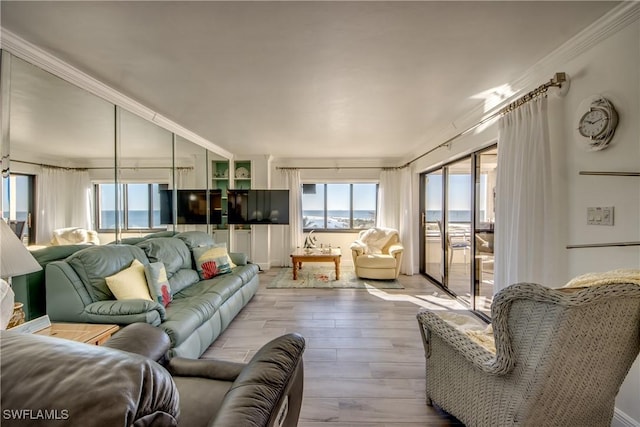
(136, 219)
(338, 219)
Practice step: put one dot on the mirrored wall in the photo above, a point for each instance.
(80, 169)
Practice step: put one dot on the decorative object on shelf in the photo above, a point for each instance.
(310, 241)
(16, 260)
(242, 172)
(17, 318)
(225, 174)
(596, 125)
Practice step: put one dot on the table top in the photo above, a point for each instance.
(316, 252)
(83, 332)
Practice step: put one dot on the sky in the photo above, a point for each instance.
(459, 192)
(364, 197)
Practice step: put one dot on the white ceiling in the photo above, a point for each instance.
(305, 79)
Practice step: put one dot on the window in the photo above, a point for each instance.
(339, 206)
(140, 209)
(17, 202)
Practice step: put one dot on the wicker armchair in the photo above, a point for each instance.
(560, 357)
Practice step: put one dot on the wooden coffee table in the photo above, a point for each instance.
(315, 255)
(89, 333)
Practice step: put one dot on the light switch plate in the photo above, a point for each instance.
(600, 215)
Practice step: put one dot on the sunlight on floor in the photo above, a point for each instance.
(432, 302)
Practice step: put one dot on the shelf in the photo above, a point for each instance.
(603, 245)
(602, 173)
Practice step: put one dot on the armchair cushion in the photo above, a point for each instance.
(86, 385)
(376, 261)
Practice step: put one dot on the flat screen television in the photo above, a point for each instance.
(191, 206)
(258, 206)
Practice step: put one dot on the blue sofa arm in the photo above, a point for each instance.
(125, 312)
(239, 258)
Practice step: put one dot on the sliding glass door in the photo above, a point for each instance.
(485, 183)
(457, 231)
(432, 224)
(457, 227)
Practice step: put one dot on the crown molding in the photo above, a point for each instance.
(42, 59)
(618, 18)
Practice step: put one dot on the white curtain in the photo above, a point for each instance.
(396, 207)
(64, 199)
(523, 197)
(185, 178)
(293, 235)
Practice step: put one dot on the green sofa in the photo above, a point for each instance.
(76, 290)
(30, 288)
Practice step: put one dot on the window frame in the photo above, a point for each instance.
(124, 207)
(351, 228)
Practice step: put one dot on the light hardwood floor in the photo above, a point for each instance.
(364, 361)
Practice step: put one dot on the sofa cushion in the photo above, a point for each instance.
(95, 263)
(129, 283)
(212, 261)
(195, 239)
(183, 278)
(224, 286)
(246, 272)
(185, 315)
(173, 253)
(158, 283)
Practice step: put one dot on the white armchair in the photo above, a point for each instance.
(377, 254)
(74, 236)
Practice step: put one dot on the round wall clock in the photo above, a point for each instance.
(597, 125)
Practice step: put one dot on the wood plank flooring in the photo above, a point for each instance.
(364, 362)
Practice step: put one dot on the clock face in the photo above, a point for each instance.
(593, 123)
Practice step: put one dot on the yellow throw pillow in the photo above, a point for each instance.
(129, 283)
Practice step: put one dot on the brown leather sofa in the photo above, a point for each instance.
(127, 382)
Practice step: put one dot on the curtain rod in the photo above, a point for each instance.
(602, 245)
(333, 167)
(556, 81)
(102, 167)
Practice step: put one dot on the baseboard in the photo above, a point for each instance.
(620, 419)
(264, 266)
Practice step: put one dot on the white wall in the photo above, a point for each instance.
(610, 68)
